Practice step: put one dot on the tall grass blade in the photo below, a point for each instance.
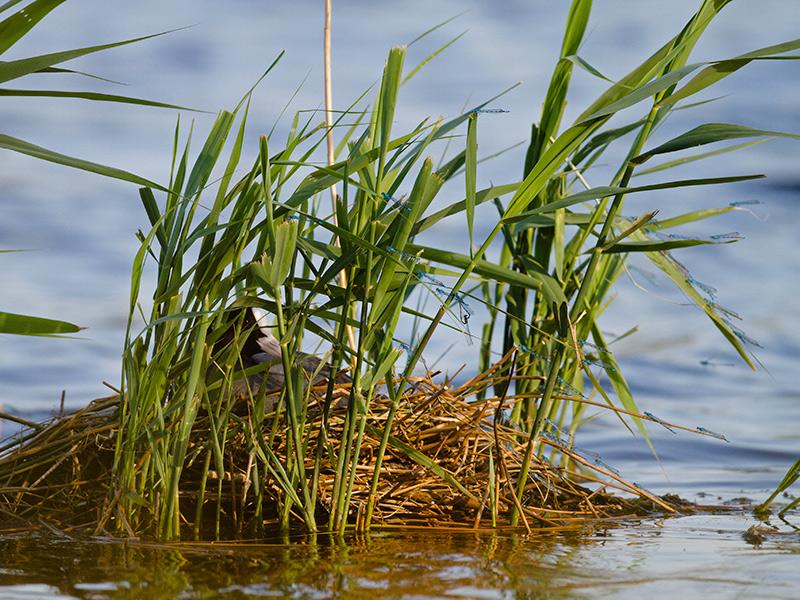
(27, 325)
(709, 133)
(14, 28)
(94, 96)
(23, 147)
(470, 171)
(13, 69)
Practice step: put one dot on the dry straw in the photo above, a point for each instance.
(450, 463)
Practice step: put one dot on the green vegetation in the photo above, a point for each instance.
(12, 29)
(258, 235)
(792, 475)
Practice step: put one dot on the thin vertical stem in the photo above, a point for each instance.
(289, 391)
(329, 95)
(326, 35)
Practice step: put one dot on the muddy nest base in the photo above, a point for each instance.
(448, 463)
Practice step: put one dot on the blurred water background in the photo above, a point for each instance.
(79, 229)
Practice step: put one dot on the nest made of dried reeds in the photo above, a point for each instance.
(451, 461)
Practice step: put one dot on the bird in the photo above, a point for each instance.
(261, 347)
(270, 348)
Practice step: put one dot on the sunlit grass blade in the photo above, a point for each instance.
(481, 196)
(27, 325)
(470, 170)
(607, 191)
(533, 280)
(702, 156)
(658, 246)
(13, 69)
(390, 84)
(14, 28)
(583, 64)
(709, 133)
(792, 475)
(635, 225)
(555, 100)
(201, 171)
(23, 147)
(10, 4)
(431, 56)
(690, 217)
(94, 96)
(719, 70)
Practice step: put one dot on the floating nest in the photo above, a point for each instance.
(449, 463)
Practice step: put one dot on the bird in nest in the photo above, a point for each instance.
(261, 347)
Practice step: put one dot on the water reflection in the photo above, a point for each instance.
(674, 556)
(423, 564)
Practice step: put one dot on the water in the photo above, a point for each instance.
(79, 230)
(662, 557)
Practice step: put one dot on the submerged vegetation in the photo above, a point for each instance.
(191, 444)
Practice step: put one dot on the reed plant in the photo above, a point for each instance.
(229, 233)
(264, 240)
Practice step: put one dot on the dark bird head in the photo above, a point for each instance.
(248, 327)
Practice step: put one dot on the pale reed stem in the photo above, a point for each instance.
(329, 124)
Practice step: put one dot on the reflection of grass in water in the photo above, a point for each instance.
(389, 564)
(187, 422)
(599, 559)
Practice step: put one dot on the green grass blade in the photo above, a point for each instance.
(9, 4)
(606, 191)
(604, 139)
(719, 70)
(689, 159)
(530, 280)
(681, 280)
(91, 96)
(201, 171)
(637, 224)
(691, 217)
(17, 68)
(555, 100)
(558, 243)
(709, 133)
(644, 72)
(470, 172)
(14, 28)
(659, 246)
(583, 64)
(439, 25)
(792, 475)
(481, 196)
(153, 213)
(285, 243)
(23, 147)
(81, 73)
(643, 93)
(618, 381)
(27, 325)
(390, 86)
(550, 161)
(430, 57)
